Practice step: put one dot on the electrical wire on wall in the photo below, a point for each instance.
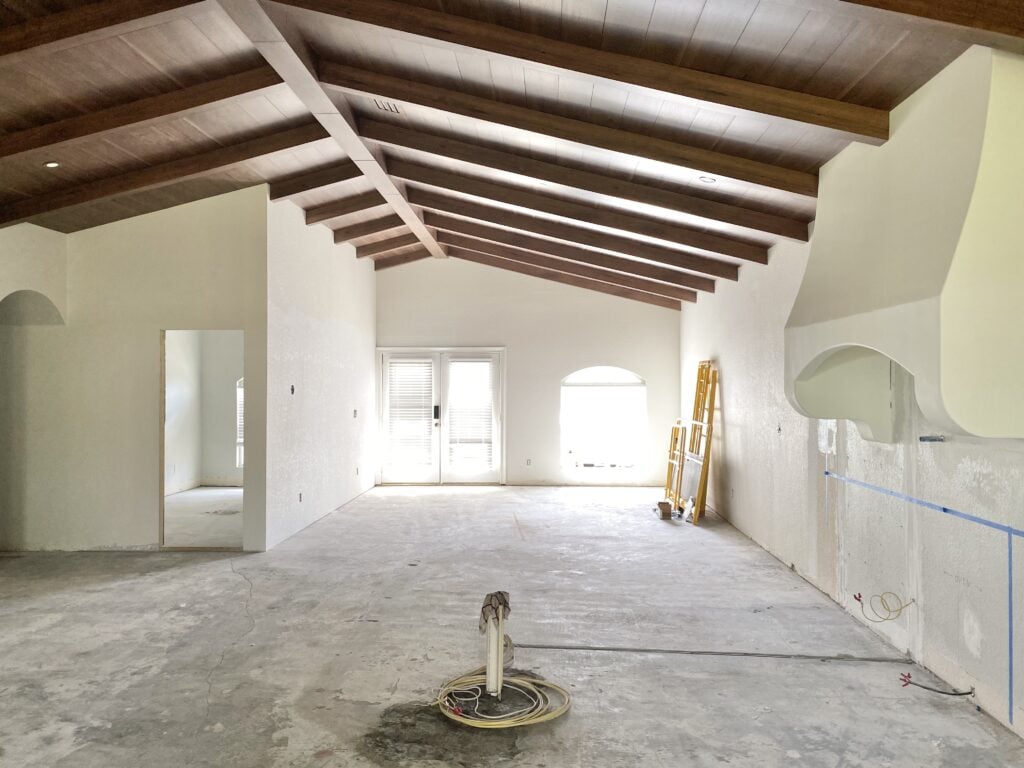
(884, 607)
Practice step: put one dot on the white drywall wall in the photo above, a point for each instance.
(550, 330)
(981, 301)
(320, 339)
(183, 411)
(223, 364)
(80, 404)
(34, 259)
(767, 478)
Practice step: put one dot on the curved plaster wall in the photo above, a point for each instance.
(917, 257)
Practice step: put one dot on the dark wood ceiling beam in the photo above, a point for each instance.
(859, 121)
(572, 234)
(692, 158)
(1003, 16)
(561, 277)
(364, 228)
(573, 253)
(383, 246)
(309, 180)
(164, 105)
(344, 206)
(568, 267)
(83, 23)
(388, 262)
(583, 179)
(160, 175)
(684, 236)
(289, 56)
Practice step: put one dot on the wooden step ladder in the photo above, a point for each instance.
(697, 461)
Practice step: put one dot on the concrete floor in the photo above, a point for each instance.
(204, 517)
(319, 653)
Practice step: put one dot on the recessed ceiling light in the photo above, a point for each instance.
(52, 164)
(707, 179)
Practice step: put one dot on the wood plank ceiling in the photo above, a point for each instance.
(642, 148)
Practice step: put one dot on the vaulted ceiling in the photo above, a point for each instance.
(643, 148)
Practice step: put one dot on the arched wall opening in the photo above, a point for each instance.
(29, 321)
(27, 307)
(851, 382)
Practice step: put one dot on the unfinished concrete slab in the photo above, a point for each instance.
(324, 651)
(204, 517)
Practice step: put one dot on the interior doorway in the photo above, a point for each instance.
(202, 466)
(441, 416)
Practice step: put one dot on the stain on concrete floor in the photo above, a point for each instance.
(415, 733)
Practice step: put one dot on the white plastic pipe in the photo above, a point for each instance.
(495, 655)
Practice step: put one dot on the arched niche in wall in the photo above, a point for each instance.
(27, 307)
(857, 379)
(916, 257)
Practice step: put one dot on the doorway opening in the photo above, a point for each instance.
(603, 424)
(203, 440)
(441, 416)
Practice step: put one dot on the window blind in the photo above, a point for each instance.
(240, 423)
(410, 412)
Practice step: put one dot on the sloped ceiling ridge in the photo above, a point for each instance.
(917, 257)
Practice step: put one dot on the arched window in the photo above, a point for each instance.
(240, 423)
(603, 422)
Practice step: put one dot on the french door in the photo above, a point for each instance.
(441, 416)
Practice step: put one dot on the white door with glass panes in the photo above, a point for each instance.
(441, 420)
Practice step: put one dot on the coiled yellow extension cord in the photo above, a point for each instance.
(459, 699)
(887, 606)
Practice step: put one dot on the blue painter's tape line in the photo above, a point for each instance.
(929, 505)
(1010, 532)
(1009, 592)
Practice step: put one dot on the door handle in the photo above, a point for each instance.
(437, 412)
